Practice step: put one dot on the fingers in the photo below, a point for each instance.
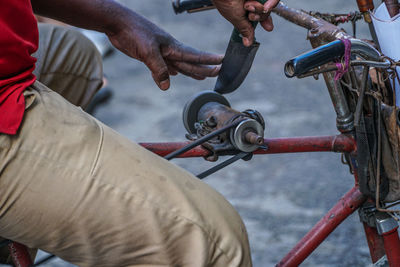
(258, 17)
(159, 70)
(196, 71)
(180, 52)
(254, 6)
(191, 62)
(174, 57)
(265, 20)
(258, 8)
(172, 70)
(269, 5)
(234, 12)
(181, 59)
(247, 31)
(259, 12)
(267, 24)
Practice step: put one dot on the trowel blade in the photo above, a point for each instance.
(235, 66)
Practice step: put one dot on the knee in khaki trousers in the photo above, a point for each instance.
(73, 187)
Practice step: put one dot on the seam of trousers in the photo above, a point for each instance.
(99, 149)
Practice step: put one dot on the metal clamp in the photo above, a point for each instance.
(385, 223)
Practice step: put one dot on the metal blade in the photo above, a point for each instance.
(235, 66)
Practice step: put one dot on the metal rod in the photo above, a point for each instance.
(392, 247)
(330, 32)
(365, 5)
(346, 206)
(201, 140)
(375, 243)
(222, 165)
(384, 65)
(19, 254)
(363, 87)
(344, 118)
(163, 149)
(253, 138)
(335, 143)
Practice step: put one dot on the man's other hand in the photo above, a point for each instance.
(135, 36)
(241, 12)
(162, 54)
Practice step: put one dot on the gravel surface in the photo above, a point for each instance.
(278, 196)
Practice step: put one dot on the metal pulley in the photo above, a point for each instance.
(209, 111)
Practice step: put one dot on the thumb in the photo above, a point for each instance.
(246, 30)
(267, 24)
(159, 70)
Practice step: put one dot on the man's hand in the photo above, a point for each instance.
(241, 12)
(135, 36)
(162, 54)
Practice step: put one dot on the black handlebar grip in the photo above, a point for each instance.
(314, 58)
(181, 6)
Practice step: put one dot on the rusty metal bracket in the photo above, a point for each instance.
(367, 214)
(201, 140)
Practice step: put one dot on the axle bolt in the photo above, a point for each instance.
(253, 138)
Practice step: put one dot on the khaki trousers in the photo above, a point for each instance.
(74, 187)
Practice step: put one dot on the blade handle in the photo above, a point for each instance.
(236, 36)
(191, 6)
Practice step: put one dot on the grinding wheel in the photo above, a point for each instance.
(193, 106)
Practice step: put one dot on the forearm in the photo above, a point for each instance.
(135, 36)
(101, 15)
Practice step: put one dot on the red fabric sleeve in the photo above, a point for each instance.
(18, 41)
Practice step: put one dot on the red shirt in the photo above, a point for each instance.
(18, 40)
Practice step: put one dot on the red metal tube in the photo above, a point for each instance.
(346, 206)
(392, 247)
(336, 143)
(326, 30)
(365, 5)
(375, 243)
(20, 255)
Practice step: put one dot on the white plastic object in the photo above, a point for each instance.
(388, 33)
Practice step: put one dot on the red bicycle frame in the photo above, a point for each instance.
(381, 240)
(346, 206)
(349, 203)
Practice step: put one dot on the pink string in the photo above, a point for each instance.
(343, 68)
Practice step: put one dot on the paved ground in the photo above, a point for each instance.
(279, 196)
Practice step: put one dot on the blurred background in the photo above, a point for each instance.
(280, 197)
